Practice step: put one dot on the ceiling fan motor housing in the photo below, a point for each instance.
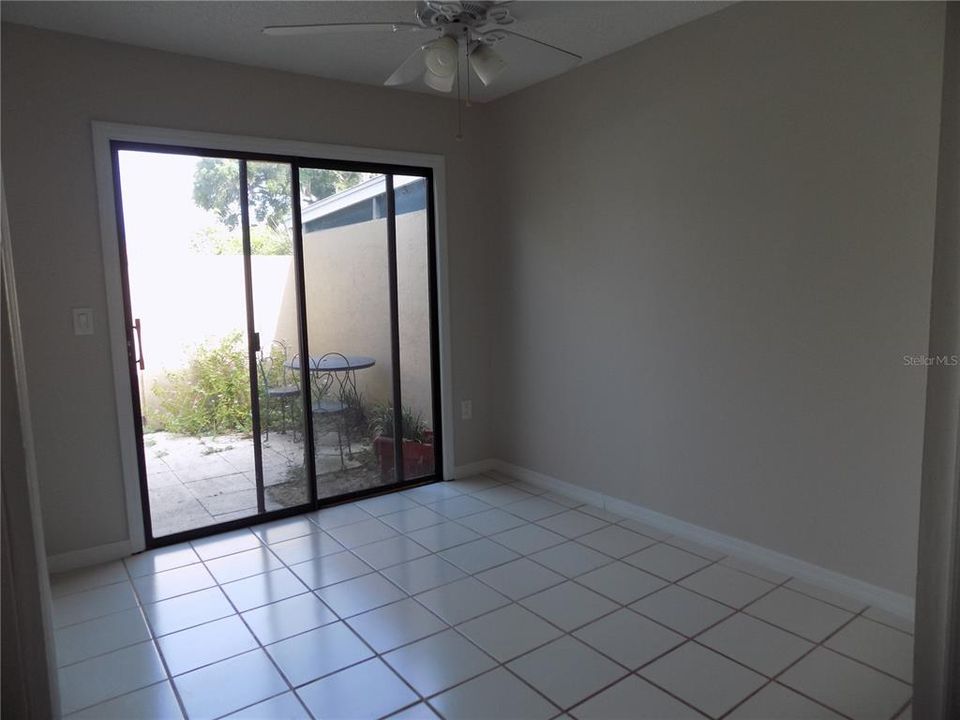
(472, 15)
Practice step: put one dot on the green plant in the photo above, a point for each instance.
(356, 416)
(381, 423)
(218, 240)
(211, 395)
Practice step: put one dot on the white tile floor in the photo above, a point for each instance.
(482, 598)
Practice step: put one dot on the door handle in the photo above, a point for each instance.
(136, 327)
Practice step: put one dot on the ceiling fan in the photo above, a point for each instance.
(473, 28)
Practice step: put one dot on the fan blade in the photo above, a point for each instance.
(439, 82)
(410, 69)
(511, 33)
(324, 28)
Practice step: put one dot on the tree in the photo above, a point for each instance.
(216, 187)
(264, 240)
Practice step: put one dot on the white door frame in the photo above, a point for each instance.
(104, 133)
(40, 661)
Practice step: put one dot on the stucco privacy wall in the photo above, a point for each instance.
(53, 86)
(348, 307)
(706, 301)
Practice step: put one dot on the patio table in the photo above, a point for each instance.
(334, 363)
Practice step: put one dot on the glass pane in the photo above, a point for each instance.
(270, 197)
(186, 277)
(346, 271)
(413, 303)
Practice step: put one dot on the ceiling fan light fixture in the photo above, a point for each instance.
(441, 57)
(440, 83)
(486, 63)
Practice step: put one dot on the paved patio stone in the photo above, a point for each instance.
(197, 482)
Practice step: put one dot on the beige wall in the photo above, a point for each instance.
(715, 250)
(937, 650)
(53, 86)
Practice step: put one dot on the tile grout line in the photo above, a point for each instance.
(498, 663)
(202, 561)
(256, 639)
(436, 553)
(156, 646)
(340, 619)
(480, 535)
(376, 654)
(561, 630)
(774, 586)
(260, 646)
(775, 678)
(570, 633)
(345, 620)
(621, 606)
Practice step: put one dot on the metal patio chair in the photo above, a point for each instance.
(279, 385)
(333, 391)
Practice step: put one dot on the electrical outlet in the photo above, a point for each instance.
(466, 409)
(83, 321)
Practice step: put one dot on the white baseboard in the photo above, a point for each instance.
(474, 468)
(900, 605)
(896, 603)
(89, 556)
(590, 497)
(114, 551)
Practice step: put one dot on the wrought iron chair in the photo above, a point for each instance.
(334, 393)
(279, 385)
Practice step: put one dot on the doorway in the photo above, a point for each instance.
(281, 321)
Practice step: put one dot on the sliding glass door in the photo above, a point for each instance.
(415, 296)
(281, 331)
(187, 316)
(347, 278)
(275, 329)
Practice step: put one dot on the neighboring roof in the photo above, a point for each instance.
(358, 193)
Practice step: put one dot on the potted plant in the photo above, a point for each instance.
(417, 441)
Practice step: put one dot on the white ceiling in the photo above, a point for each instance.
(231, 31)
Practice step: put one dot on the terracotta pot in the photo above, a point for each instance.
(417, 457)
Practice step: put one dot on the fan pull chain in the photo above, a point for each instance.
(466, 62)
(459, 135)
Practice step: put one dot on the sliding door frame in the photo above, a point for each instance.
(253, 342)
(110, 138)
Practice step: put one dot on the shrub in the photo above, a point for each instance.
(381, 423)
(212, 394)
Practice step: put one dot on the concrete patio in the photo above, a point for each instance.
(195, 482)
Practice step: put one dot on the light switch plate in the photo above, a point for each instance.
(83, 321)
(466, 409)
